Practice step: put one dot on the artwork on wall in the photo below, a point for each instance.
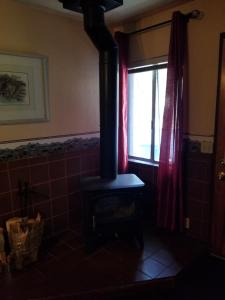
(23, 88)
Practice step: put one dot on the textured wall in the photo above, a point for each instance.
(203, 56)
(73, 69)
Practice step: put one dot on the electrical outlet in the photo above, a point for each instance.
(187, 223)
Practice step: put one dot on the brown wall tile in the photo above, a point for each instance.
(19, 163)
(59, 188)
(73, 166)
(199, 170)
(205, 234)
(195, 210)
(60, 205)
(57, 169)
(198, 190)
(89, 162)
(60, 223)
(56, 156)
(37, 160)
(16, 200)
(40, 193)
(198, 179)
(17, 176)
(198, 196)
(3, 166)
(75, 208)
(54, 186)
(73, 184)
(75, 201)
(73, 153)
(195, 229)
(39, 174)
(48, 228)
(5, 203)
(4, 182)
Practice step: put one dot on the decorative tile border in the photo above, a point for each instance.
(42, 149)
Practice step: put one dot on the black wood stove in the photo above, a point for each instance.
(112, 206)
(111, 202)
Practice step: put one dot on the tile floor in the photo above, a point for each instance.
(203, 281)
(116, 269)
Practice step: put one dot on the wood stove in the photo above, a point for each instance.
(112, 206)
(111, 202)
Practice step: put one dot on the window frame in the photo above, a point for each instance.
(156, 66)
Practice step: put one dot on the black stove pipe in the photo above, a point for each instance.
(94, 26)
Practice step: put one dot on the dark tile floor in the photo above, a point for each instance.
(116, 270)
(203, 281)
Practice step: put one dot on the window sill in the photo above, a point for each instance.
(142, 162)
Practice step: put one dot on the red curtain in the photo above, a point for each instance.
(170, 214)
(123, 41)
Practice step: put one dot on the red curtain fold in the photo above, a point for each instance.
(123, 41)
(170, 207)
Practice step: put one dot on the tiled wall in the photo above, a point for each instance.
(54, 182)
(197, 193)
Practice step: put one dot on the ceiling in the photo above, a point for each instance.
(130, 8)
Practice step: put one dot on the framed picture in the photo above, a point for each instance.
(23, 88)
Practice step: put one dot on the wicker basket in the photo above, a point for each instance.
(25, 236)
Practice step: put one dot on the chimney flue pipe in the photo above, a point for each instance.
(94, 26)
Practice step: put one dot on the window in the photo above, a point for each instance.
(147, 87)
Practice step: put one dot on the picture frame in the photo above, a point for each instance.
(23, 88)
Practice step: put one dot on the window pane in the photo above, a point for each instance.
(161, 76)
(140, 114)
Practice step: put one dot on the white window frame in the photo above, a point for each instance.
(152, 67)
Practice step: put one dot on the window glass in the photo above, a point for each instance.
(140, 114)
(147, 87)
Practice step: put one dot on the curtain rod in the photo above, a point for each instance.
(194, 14)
